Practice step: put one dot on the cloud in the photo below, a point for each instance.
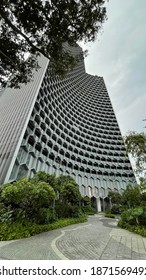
(119, 55)
(131, 118)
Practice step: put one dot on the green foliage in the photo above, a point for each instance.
(136, 146)
(88, 210)
(143, 199)
(31, 206)
(134, 216)
(142, 184)
(23, 193)
(109, 216)
(39, 176)
(27, 198)
(72, 211)
(115, 197)
(69, 193)
(64, 179)
(42, 27)
(116, 209)
(17, 230)
(42, 176)
(67, 210)
(45, 216)
(9, 231)
(136, 229)
(131, 196)
(86, 201)
(6, 213)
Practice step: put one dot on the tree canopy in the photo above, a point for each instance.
(27, 197)
(42, 27)
(70, 193)
(136, 146)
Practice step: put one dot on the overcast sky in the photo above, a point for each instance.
(119, 55)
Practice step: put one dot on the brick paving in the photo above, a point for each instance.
(97, 239)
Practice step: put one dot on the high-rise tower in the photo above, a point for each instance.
(66, 126)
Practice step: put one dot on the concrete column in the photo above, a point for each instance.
(98, 204)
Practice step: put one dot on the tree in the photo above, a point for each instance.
(142, 184)
(131, 196)
(70, 193)
(27, 197)
(64, 179)
(115, 197)
(136, 146)
(42, 27)
(42, 176)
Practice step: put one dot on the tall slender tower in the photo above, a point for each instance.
(63, 126)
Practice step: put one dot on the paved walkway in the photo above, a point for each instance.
(97, 239)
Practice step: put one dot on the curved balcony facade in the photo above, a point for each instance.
(72, 130)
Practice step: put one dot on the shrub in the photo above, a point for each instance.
(116, 209)
(88, 210)
(74, 211)
(136, 229)
(9, 231)
(67, 210)
(45, 215)
(6, 213)
(69, 193)
(109, 215)
(86, 201)
(134, 216)
(27, 198)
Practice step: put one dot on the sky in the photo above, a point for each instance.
(119, 56)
